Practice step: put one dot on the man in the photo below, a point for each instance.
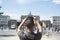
(27, 29)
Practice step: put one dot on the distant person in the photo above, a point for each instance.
(44, 29)
(27, 27)
(55, 29)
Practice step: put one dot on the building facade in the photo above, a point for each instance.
(12, 24)
(4, 21)
(23, 16)
(46, 23)
(55, 20)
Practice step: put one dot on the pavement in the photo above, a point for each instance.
(51, 37)
(44, 37)
(12, 35)
(8, 32)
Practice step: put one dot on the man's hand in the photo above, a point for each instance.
(38, 24)
(35, 20)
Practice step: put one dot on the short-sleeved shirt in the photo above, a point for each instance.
(24, 35)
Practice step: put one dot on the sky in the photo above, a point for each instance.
(43, 8)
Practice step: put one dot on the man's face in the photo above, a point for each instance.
(31, 28)
(29, 23)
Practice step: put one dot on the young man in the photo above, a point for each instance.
(27, 29)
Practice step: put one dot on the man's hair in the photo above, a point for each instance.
(29, 22)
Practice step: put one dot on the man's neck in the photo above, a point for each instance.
(29, 30)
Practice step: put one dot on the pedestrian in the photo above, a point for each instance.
(27, 27)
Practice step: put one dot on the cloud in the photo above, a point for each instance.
(22, 1)
(56, 1)
(12, 15)
(28, 1)
(0, 1)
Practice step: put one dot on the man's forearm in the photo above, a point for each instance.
(39, 26)
(20, 26)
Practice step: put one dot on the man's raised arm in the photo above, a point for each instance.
(38, 24)
(21, 24)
